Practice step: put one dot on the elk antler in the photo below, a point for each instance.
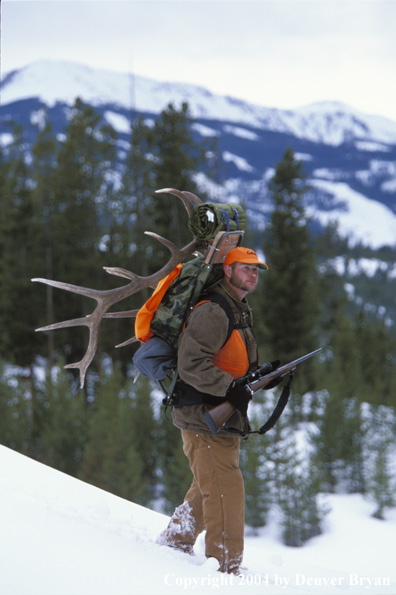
(106, 298)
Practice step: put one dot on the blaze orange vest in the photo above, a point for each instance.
(232, 357)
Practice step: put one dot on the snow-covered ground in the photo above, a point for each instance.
(60, 536)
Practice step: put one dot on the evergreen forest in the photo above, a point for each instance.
(68, 211)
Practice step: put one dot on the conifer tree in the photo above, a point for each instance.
(377, 353)
(257, 479)
(176, 478)
(338, 445)
(19, 256)
(298, 487)
(84, 159)
(289, 305)
(380, 472)
(352, 453)
(177, 160)
(65, 433)
(44, 155)
(328, 443)
(382, 485)
(9, 435)
(131, 212)
(111, 460)
(174, 471)
(144, 429)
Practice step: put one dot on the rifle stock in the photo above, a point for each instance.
(219, 415)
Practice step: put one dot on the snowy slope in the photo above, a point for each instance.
(60, 536)
(359, 218)
(329, 122)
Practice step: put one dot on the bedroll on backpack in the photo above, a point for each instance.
(161, 319)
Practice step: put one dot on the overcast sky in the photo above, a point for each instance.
(276, 53)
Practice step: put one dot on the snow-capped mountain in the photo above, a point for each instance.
(349, 157)
(327, 122)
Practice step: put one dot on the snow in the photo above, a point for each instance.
(365, 266)
(60, 536)
(241, 132)
(239, 162)
(118, 122)
(360, 219)
(6, 138)
(328, 122)
(204, 130)
(371, 146)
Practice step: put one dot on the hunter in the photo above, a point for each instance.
(208, 366)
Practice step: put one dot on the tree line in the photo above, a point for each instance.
(73, 207)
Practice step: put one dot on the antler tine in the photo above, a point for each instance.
(92, 293)
(188, 201)
(107, 298)
(128, 342)
(179, 253)
(196, 201)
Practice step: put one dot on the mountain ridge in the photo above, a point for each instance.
(329, 122)
(349, 158)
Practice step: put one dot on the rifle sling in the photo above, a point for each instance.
(277, 412)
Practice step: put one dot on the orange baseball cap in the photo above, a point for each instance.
(245, 255)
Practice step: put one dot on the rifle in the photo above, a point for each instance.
(260, 378)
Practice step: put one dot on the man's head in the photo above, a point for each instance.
(245, 255)
(241, 267)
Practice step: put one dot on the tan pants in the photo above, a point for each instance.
(215, 501)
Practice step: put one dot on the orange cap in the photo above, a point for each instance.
(245, 255)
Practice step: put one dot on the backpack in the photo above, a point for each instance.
(161, 319)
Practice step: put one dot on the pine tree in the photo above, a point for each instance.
(131, 212)
(298, 487)
(377, 353)
(338, 444)
(64, 434)
(80, 186)
(9, 434)
(44, 154)
(19, 256)
(177, 160)
(144, 429)
(382, 485)
(289, 306)
(174, 471)
(352, 453)
(111, 460)
(327, 442)
(380, 441)
(257, 479)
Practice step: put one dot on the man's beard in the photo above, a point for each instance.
(239, 284)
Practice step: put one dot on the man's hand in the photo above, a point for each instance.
(239, 396)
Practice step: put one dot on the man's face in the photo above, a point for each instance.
(244, 276)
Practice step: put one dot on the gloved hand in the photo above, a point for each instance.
(276, 381)
(240, 397)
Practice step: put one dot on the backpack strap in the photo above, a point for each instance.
(219, 299)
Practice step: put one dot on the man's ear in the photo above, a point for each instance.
(227, 271)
